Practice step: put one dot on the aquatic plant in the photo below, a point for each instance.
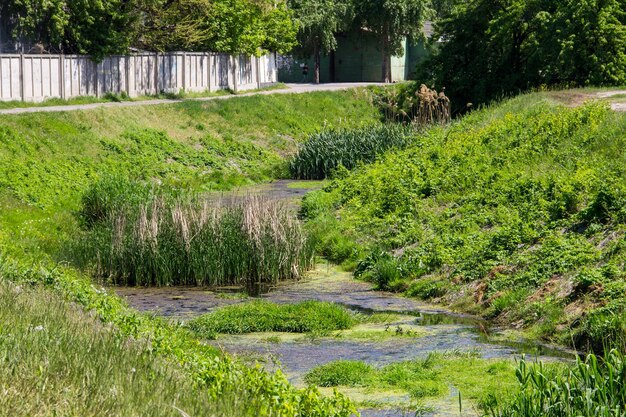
(324, 152)
(261, 316)
(170, 239)
(594, 387)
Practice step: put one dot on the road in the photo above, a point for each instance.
(291, 89)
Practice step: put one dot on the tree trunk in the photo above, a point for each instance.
(386, 67)
(316, 74)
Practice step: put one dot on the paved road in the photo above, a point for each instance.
(291, 89)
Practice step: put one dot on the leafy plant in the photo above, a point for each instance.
(325, 151)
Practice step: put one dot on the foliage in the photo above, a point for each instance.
(107, 27)
(331, 149)
(408, 103)
(260, 316)
(230, 26)
(319, 21)
(490, 49)
(97, 28)
(144, 236)
(594, 387)
(501, 213)
(392, 21)
(422, 378)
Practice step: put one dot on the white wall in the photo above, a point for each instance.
(39, 77)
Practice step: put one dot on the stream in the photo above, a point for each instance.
(436, 329)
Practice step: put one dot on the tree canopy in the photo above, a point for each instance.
(318, 23)
(102, 27)
(492, 48)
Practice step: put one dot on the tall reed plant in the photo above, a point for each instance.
(179, 240)
(594, 387)
(325, 151)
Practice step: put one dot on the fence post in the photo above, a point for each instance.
(97, 80)
(128, 90)
(235, 73)
(258, 72)
(208, 78)
(62, 76)
(22, 83)
(184, 71)
(156, 74)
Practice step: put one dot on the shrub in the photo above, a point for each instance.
(330, 149)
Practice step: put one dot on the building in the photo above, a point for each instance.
(357, 59)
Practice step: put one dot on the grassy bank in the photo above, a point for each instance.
(58, 360)
(514, 212)
(49, 160)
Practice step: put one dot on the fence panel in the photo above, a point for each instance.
(10, 86)
(30, 77)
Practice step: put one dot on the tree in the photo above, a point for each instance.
(392, 20)
(230, 26)
(492, 48)
(318, 22)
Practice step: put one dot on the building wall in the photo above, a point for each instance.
(357, 59)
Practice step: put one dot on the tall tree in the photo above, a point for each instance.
(492, 48)
(318, 22)
(392, 20)
(230, 26)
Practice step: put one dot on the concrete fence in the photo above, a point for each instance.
(39, 77)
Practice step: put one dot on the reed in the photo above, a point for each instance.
(410, 104)
(325, 151)
(593, 387)
(166, 240)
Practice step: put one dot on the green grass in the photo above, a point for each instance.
(228, 385)
(113, 98)
(57, 360)
(109, 98)
(49, 160)
(514, 212)
(422, 379)
(260, 316)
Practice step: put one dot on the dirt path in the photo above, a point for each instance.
(574, 98)
(291, 89)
